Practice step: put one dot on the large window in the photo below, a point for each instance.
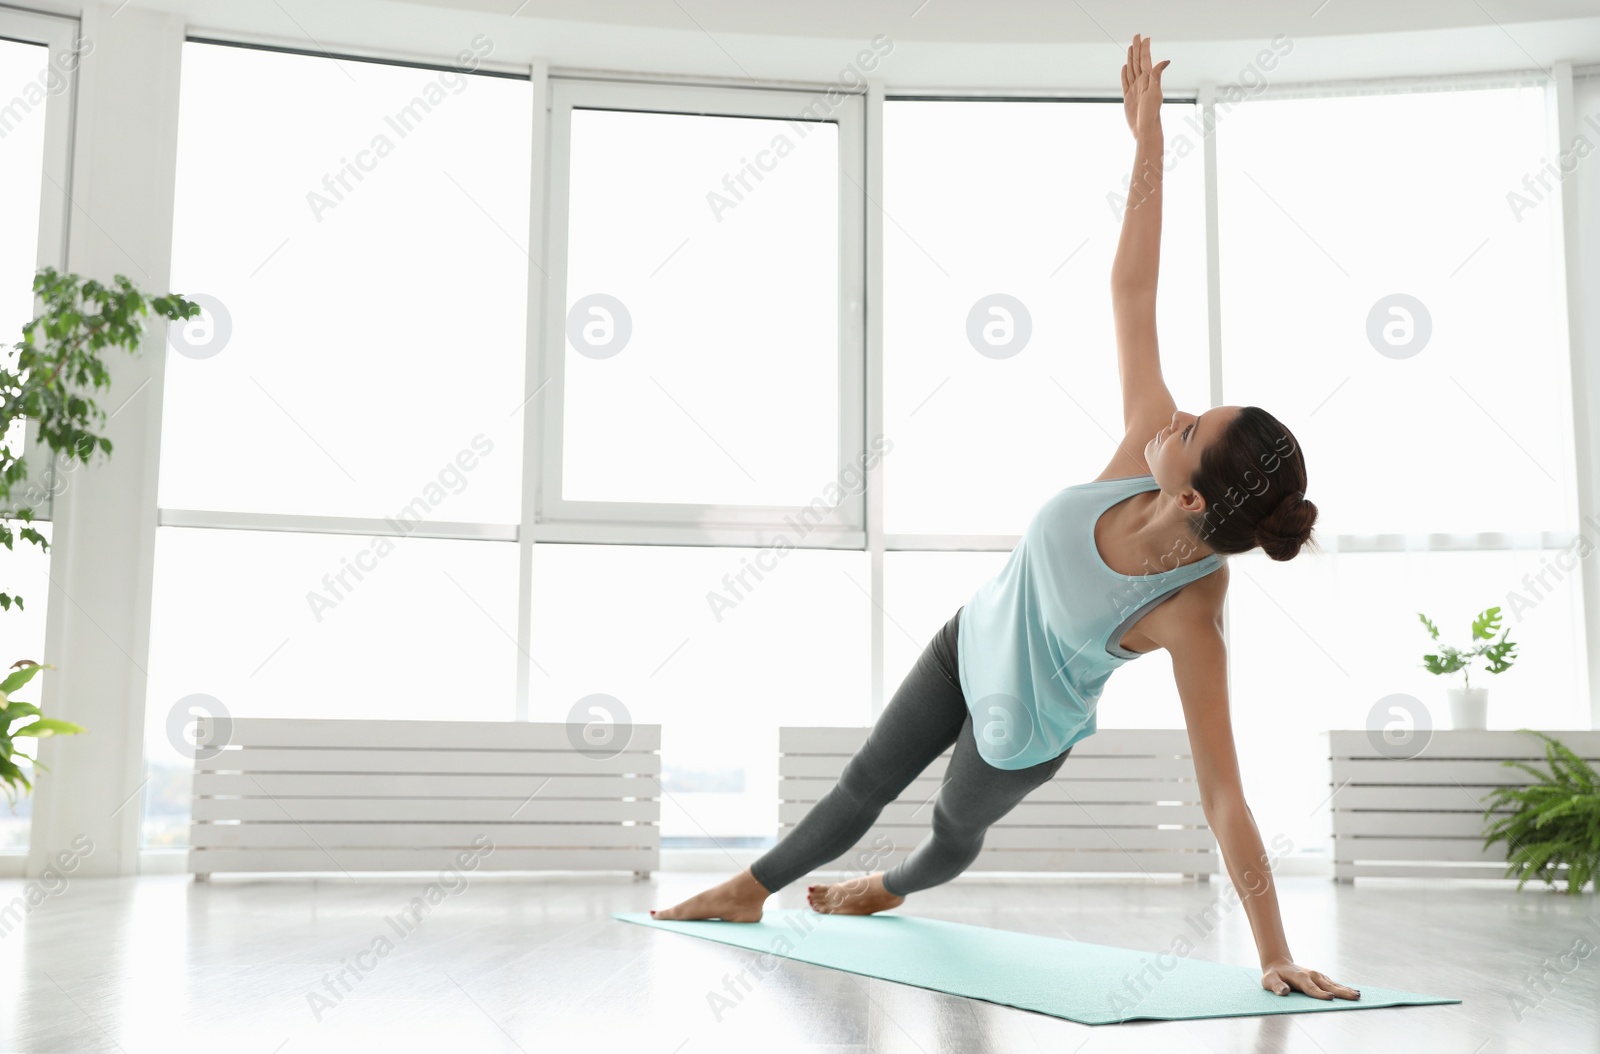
(1392, 291)
(357, 233)
(674, 366)
(705, 387)
(1001, 221)
(707, 271)
(342, 432)
(1406, 326)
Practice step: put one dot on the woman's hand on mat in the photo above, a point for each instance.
(1280, 977)
(1141, 88)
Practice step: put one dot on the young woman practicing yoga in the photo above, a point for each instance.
(1106, 571)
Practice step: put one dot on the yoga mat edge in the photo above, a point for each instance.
(1092, 984)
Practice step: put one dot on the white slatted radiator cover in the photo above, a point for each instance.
(1126, 801)
(1423, 817)
(340, 795)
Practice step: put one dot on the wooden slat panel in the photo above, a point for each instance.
(425, 810)
(1065, 861)
(481, 762)
(1030, 812)
(290, 835)
(1102, 838)
(1467, 773)
(320, 795)
(438, 735)
(923, 788)
(1138, 742)
(1347, 823)
(1076, 768)
(387, 785)
(217, 860)
(1423, 817)
(1469, 743)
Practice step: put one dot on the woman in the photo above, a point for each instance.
(1027, 655)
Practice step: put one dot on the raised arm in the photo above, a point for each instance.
(1147, 405)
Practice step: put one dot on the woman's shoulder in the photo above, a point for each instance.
(1197, 605)
(1194, 607)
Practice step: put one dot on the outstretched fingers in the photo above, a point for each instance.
(1343, 991)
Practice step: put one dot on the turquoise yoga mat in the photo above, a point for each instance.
(1093, 984)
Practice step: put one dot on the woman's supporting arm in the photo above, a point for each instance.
(1146, 402)
(1191, 631)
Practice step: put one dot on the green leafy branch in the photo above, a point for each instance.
(36, 727)
(50, 371)
(1497, 654)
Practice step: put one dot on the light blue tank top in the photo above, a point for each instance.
(1036, 643)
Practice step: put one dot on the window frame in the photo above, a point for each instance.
(558, 519)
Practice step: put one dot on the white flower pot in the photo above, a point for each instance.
(1469, 707)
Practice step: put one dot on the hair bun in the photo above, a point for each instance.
(1286, 528)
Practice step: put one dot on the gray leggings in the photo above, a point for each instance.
(927, 713)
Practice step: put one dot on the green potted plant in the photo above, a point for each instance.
(1469, 706)
(48, 378)
(1553, 821)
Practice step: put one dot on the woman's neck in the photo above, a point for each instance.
(1160, 531)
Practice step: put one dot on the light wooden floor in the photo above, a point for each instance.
(536, 963)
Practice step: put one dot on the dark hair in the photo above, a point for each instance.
(1253, 478)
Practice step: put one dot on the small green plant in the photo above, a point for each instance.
(1450, 659)
(36, 727)
(1554, 821)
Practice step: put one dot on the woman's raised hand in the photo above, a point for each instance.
(1141, 88)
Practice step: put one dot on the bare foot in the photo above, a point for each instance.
(739, 899)
(858, 896)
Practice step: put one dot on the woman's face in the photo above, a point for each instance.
(1174, 452)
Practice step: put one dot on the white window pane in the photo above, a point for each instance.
(21, 176)
(1310, 651)
(364, 228)
(276, 624)
(1319, 231)
(708, 364)
(636, 623)
(1019, 200)
(921, 591)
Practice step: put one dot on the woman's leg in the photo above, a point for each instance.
(974, 795)
(919, 723)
